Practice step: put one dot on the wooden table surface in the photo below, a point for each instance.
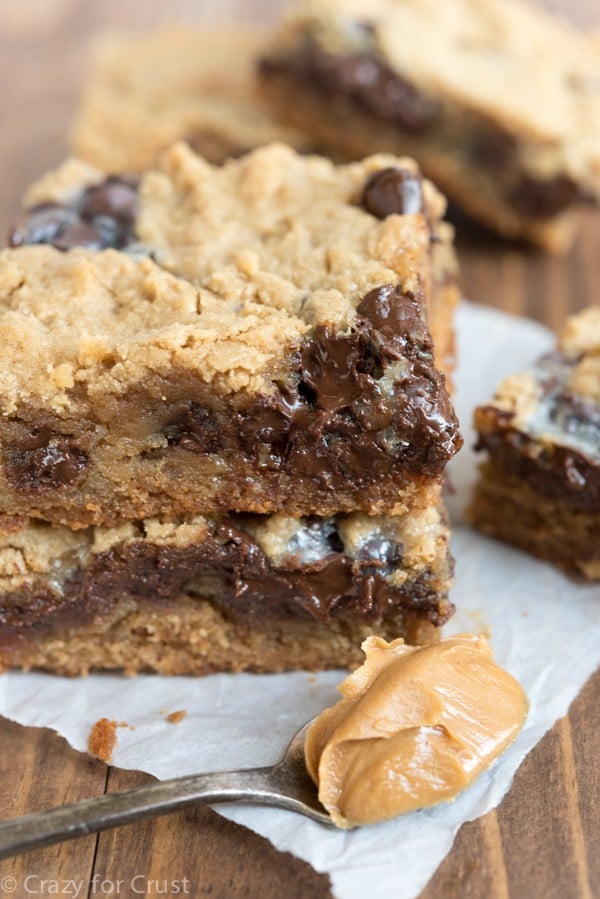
(543, 842)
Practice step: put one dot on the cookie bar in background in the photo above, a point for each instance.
(539, 488)
(261, 593)
(251, 337)
(460, 86)
(145, 93)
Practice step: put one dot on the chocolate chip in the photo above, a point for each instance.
(41, 224)
(265, 429)
(398, 100)
(44, 460)
(101, 216)
(111, 233)
(393, 191)
(544, 198)
(79, 234)
(338, 370)
(197, 429)
(330, 369)
(115, 198)
(397, 315)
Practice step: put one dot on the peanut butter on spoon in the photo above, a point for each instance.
(415, 726)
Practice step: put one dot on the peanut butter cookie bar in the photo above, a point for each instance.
(540, 486)
(145, 93)
(457, 85)
(232, 592)
(248, 338)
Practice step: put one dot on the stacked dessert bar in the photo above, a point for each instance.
(540, 485)
(464, 88)
(223, 434)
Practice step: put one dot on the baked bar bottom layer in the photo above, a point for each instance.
(506, 507)
(193, 636)
(188, 592)
(465, 166)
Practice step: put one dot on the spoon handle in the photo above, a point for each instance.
(100, 813)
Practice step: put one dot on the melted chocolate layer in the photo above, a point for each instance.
(340, 419)
(364, 79)
(553, 470)
(243, 581)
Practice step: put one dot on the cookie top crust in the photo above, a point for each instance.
(231, 271)
(145, 93)
(478, 54)
(289, 230)
(557, 400)
(76, 325)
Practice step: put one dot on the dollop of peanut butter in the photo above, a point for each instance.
(414, 727)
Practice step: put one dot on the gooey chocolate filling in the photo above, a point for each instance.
(362, 78)
(557, 449)
(553, 470)
(357, 406)
(42, 461)
(378, 91)
(242, 581)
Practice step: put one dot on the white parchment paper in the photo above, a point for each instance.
(544, 628)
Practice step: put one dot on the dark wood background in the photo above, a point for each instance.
(543, 842)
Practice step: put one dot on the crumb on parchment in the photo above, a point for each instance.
(176, 717)
(103, 739)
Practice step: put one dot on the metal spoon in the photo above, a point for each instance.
(285, 785)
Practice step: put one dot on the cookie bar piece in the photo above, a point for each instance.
(62, 205)
(540, 486)
(261, 593)
(458, 86)
(255, 340)
(145, 93)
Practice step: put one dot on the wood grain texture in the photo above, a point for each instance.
(39, 770)
(543, 842)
